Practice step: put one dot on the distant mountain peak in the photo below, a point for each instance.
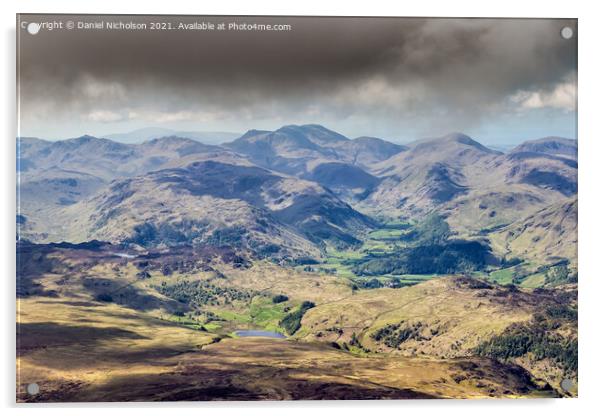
(26, 139)
(89, 139)
(305, 127)
(551, 145)
(170, 139)
(462, 138)
(306, 136)
(454, 139)
(144, 134)
(86, 138)
(459, 137)
(552, 139)
(314, 132)
(253, 133)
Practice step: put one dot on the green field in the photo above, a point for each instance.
(265, 314)
(502, 276)
(524, 275)
(386, 240)
(382, 241)
(534, 281)
(386, 234)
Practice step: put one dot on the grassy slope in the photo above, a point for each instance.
(550, 233)
(452, 316)
(457, 312)
(85, 351)
(65, 344)
(80, 349)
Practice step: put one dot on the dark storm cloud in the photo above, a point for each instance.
(384, 68)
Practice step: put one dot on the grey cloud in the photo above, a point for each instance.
(389, 69)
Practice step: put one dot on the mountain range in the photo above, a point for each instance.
(299, 188)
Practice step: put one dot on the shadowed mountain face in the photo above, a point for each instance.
(298, 149)
(349, 182)
(318, 154)
(367, 151)
(299, 144)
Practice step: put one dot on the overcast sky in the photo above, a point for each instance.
(500, 81)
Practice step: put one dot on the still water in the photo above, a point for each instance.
(258, 333)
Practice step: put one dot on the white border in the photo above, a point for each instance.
(590, 175)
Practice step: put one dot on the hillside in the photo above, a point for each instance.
(475, 188)
(431, 173)
(53, 175)
(549, 234)
(95, 318)
(288, 149)
(214, 203)
(448, 317)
